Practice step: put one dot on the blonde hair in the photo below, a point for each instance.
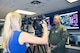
(59, 17)
(12, 21)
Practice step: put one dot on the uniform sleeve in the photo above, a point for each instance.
(64, 37)
(49, 36)
(49, 33)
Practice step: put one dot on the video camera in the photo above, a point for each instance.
(36, 23)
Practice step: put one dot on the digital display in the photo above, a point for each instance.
(70, 20)
(75, 37)
(48, 22)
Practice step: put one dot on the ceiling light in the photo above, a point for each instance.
(35, 2)
(1, 19)
(25, 12)
(71, 1)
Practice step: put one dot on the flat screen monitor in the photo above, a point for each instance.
(70, 20)
(75, 37)
(48, 22)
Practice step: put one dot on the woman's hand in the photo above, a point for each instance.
(44, 25)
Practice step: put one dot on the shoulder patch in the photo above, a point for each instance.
(64, 29)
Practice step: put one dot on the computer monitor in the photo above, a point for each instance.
(70, 20)
(74, 39)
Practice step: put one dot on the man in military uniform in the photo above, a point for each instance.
(57, 36)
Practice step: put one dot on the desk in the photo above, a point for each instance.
(72, 49)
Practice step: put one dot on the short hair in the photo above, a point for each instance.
(58, 16)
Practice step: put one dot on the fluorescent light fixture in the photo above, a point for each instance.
(25, 12)
(71, 1)
(1, 19)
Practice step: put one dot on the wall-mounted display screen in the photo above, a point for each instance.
(70, 20)
(48, 22)
(75, 37)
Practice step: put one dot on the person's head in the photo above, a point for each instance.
(12, 21)
(56, 19)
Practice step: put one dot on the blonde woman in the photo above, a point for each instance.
(14, 39)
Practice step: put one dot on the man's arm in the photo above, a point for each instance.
(64, 38)
(49, 36)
